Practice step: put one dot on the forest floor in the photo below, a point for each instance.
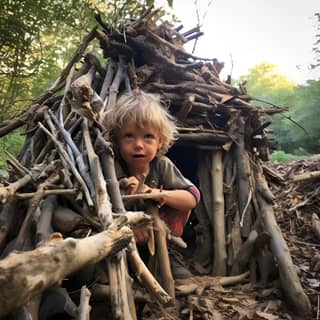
(294, 207)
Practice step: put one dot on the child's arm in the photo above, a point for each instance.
(179, 199)
(182, 200)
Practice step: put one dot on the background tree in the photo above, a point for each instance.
(306, 112)
(296, 130)
(33, 40)
(38, 37)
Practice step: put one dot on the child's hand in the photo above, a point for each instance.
(132, 185)
(141, 234)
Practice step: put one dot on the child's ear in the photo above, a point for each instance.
(159, 145)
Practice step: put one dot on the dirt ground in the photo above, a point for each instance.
(294, 206)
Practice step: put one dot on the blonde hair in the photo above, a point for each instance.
(144, 109)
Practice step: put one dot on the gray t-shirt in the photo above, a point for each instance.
(162, 174)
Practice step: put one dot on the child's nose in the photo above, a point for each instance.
(139, 143)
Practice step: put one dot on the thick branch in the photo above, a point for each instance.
(25, 275)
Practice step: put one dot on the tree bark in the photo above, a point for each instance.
(243, 185)
(24, 275)
(288, 276)
(218, 225)
(161, 258)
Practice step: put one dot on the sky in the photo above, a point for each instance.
(247, 32)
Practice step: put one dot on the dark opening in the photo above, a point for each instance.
(186, 159)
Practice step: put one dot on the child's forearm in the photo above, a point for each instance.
(181, 200)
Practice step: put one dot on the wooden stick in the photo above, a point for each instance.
(114, 89)
(243, 183)
(119, 299)
(306, 176)
(25, 275)
(104, 150)
(146, 278)
(241, 261)
(35, 202)
(71, 166)
(107, 81)
(120, 287)
(44, 223)
(290, 283)
(77, 155)
(29, 195)
(84, 307)
(161, 258)
(16, 164)
(104, 209)
(8, 192)
(217, 218)
(189, 286)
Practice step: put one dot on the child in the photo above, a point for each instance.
(142, 131)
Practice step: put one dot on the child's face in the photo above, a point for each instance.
(138, 146)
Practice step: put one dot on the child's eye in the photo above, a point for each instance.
(128, 136)
(149, 136)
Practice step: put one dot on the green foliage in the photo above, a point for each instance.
(37, 39)
(265, 82)
(11, 143)
(305, 111)
(297, 128)
(32, 35)
(281, 156)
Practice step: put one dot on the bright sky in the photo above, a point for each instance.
(251, 31)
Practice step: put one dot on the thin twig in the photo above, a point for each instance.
(46, 193)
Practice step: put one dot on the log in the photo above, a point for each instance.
(24, 275)
(34, 204)
(189, 286)
(218, 223)
(306, 176)
(160, 261)
(234, 240)
(146, 278)
(203, 253)
(118, 288)
(243, 182)
(289, 279)
(103, 205)
(244, 254)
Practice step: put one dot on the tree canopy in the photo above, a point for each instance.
(38, 37)
(297, 130)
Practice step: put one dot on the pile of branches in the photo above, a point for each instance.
(64, 185)
(297, 208)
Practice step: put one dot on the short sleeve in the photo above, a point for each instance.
(166, 175)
